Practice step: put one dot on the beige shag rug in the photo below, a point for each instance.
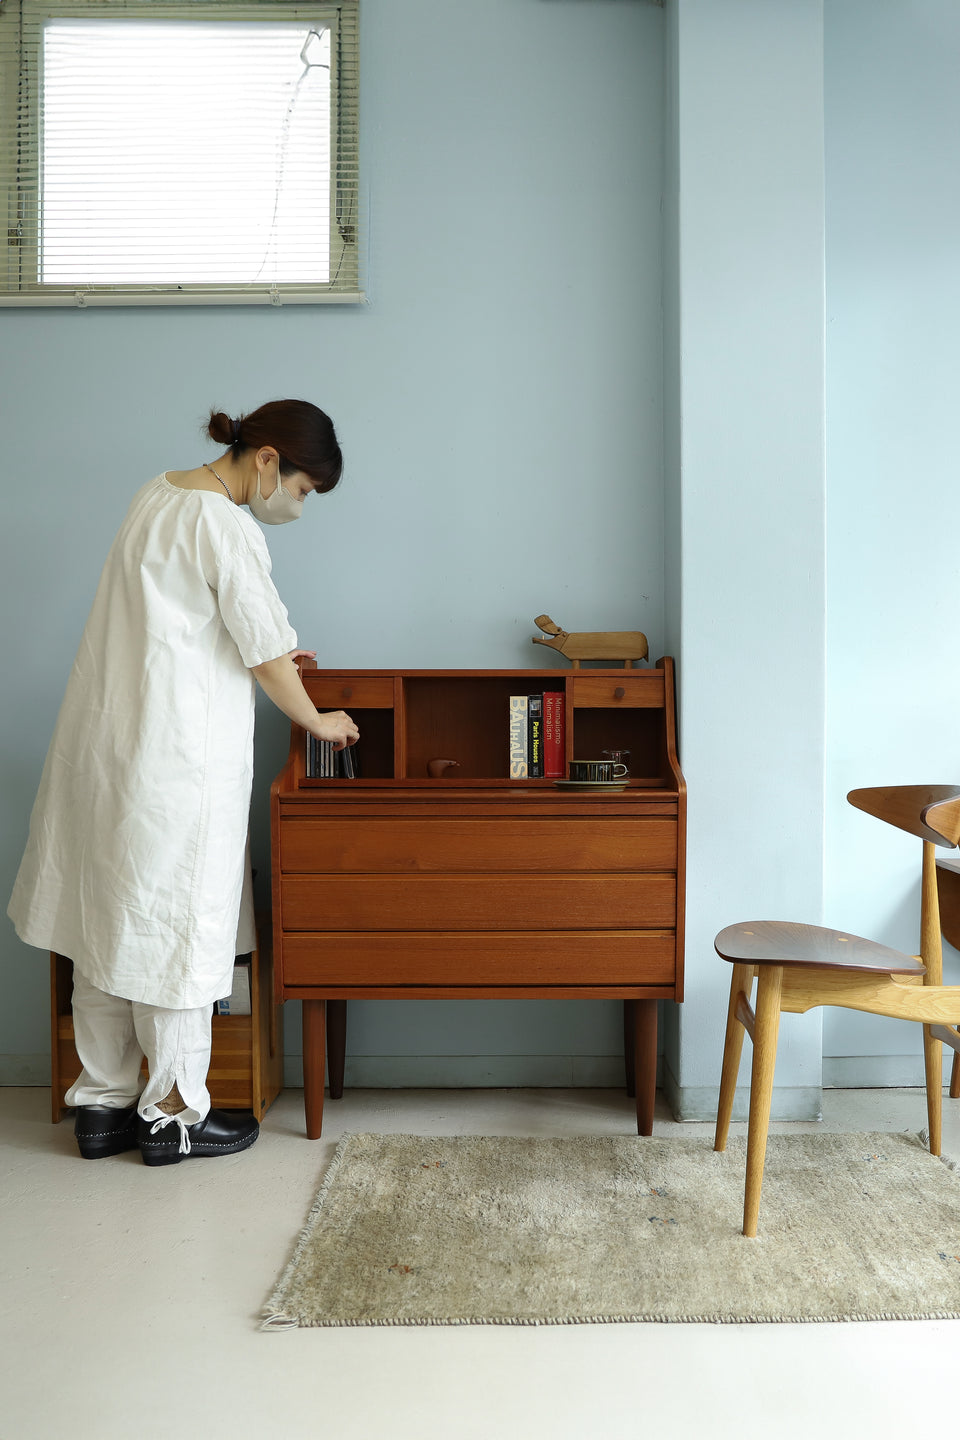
(477, 1230)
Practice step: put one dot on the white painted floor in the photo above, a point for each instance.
(129, 1300)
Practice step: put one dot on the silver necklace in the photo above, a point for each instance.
(220, 478)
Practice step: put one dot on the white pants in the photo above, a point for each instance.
(113, 1035)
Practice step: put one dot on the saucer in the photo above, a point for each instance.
(592, 784)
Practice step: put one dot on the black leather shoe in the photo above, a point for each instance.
(167, 1142)
(101, 1131)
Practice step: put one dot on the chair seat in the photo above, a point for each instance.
(781, 942)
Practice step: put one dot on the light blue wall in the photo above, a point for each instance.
(499, 403)
(893, 517)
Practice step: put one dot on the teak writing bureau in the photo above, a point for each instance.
(399, 885)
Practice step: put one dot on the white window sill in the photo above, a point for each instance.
(83, 299)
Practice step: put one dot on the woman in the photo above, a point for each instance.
(136, 860)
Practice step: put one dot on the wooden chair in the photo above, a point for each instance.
(801, 966)
(948, 893)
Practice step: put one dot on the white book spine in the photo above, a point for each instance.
(518, 737)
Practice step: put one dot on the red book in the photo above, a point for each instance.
(553, 735)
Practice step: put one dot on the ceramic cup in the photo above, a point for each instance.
(597, 771)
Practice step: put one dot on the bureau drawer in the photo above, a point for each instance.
(564, 958)
(638, 692)
(475, 902)
(417, 846)
(363, 692)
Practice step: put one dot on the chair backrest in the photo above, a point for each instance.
(931, 812)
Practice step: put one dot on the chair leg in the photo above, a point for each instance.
(933, 1068)
(955, 1077)
(740, 984)
(766, 1031)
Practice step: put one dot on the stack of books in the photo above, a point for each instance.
(537, 736)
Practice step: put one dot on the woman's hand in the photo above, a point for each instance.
(280, 679)
(296, 655)
(337, 726)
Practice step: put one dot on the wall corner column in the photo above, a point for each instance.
(745, 481)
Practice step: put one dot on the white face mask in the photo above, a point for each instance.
(277, 508)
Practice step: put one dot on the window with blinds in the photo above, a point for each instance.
(195, 153)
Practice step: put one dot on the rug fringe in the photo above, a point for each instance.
(541, 1321)
(274, 1318)
(951, 1164)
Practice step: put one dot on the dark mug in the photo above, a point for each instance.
(597, 772)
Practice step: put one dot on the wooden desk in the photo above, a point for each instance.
(395, 885)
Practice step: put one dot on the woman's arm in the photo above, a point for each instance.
(280, 681)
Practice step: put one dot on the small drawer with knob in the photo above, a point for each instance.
(641, 690)
(345, 692)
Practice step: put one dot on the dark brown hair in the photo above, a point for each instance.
(301, 433)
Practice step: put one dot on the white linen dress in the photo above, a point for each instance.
(136, 860)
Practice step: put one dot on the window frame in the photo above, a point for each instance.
(21, 40)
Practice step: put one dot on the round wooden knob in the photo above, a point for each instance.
(347, 691)
(619, 693)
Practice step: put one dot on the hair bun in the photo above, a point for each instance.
(222, 429)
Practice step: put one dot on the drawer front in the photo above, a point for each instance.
(385, 846)
(362, 692)
(606, 958)
(475, 902)
(641, 692)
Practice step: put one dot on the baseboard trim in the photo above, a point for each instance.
(455, 1072)
(699, 1103)
(414, 1072)
(879, 1072)
(25, 1069)
(472, 1072)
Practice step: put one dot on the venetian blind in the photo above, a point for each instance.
(179, 153)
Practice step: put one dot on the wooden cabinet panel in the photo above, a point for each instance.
(230, 1074)
(610, 958)
(640, 692)
(472, 902)
(546, 847)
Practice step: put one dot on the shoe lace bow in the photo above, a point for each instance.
(164, 1121)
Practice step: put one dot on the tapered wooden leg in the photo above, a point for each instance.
(933, 1069)
(629, 1060)
(336, 1045)
(931, 953)
(314, 1064)
(740, 984)
(955, 1077)
(645, 1062)
(766, 1031)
